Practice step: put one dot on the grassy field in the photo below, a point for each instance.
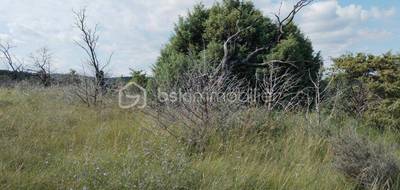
(47, 142)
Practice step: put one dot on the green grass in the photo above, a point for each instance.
(47, 142)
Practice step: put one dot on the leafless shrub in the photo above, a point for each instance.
(84, 89)
(279, 89)
(42, 65)
(358, 99)
(200, 106)
(370, 165)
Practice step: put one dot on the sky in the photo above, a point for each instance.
(136, 30)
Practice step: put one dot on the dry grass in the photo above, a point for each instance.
(49, 143)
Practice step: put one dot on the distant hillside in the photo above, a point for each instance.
(7, 75)
(57, 78)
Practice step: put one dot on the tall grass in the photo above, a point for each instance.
(47, 142)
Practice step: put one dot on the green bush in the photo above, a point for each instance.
(369, 86)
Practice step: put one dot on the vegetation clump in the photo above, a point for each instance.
(371, 165)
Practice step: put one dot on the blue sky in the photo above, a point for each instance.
(389, 24)
(136, 30)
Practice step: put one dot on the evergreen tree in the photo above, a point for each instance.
(379, 77)
(202, 33)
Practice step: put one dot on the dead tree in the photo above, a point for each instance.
(42, 65)
(278, 89)
(319, 93)
(227, 63)
(89, 41)
(327, 93)
(9, 59)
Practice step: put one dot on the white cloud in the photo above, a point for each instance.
(335, 29)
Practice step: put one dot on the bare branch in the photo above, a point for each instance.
(272, 62)
(42, 65)
(108, 62)
(9, 59)
(277, 88)
(89, 38)
(227, 50)
(230, 44)
(282, 23)
(88, 42)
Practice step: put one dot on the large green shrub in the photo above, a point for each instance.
(199, 37)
